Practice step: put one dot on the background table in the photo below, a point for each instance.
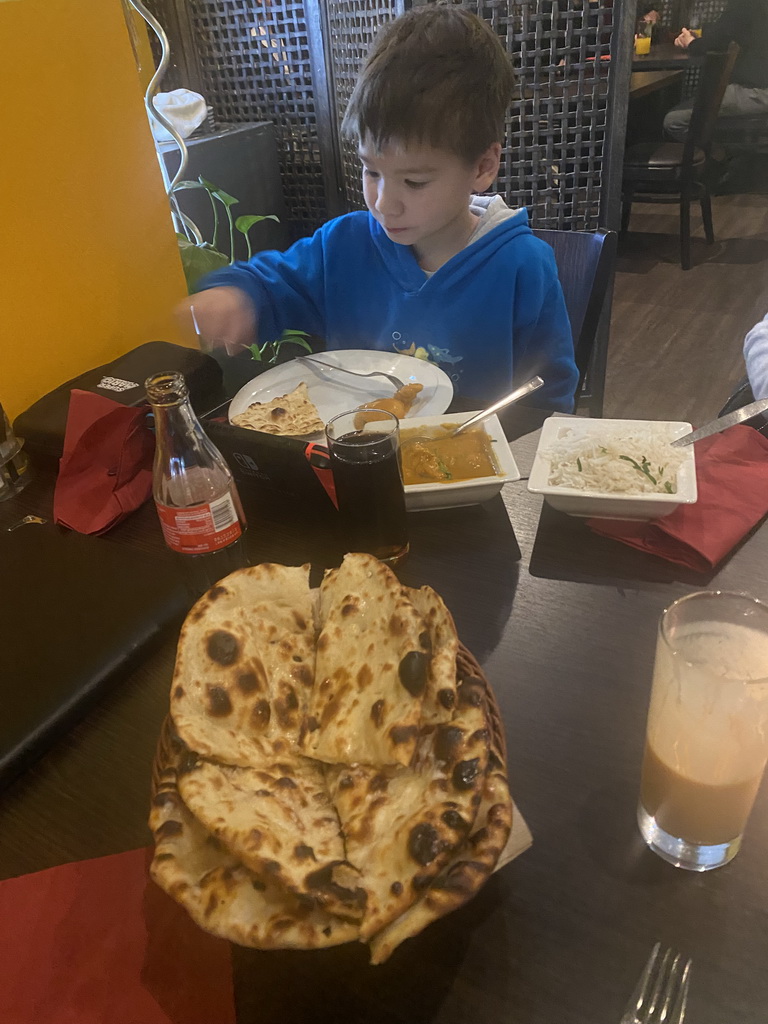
(663, 57)
(564, 624)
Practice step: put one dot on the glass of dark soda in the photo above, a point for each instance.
(369, 484)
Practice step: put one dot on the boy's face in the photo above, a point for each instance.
(420, 195)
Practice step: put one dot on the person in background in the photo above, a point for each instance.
(756, 358)
(649, 14)
(433, 268)
(746, 23)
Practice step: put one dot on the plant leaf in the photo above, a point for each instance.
(255, 352)
(180, 186)
(199, 260)
(224, 197)
(244, 224)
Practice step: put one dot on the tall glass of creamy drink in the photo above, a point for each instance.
(707, 734)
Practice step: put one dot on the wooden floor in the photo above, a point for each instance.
(676, 336)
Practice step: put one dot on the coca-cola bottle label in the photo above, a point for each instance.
(200, 529)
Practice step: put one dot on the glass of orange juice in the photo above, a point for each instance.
(642, 45)
(707, 733)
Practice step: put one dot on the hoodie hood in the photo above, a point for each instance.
(498, 226)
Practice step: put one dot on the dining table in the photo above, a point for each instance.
(664, 56)
(563, 623)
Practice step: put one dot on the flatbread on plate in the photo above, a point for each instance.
(245, 666)
(401, 825)
(373, 657)
(466, 872)
(291, 415)
(222, 896)
(279, 822)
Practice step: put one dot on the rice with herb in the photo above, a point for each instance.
(617, 463)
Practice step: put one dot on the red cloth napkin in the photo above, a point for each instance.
(732, 479)
(106, 469)
(97, 942)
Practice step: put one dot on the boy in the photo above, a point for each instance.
(431, 268)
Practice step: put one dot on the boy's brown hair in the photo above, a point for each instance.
(437, 75)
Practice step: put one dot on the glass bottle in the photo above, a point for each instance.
(196, 498)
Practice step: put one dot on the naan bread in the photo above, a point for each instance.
(373, 657)
(440, 695)
(222, 896)
(279, 822)
(293, 415)
(325, 788)
(245, 666)
(467, 871)
(402, 825)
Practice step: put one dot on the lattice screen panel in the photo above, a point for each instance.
(269, 59)
(668, 14)
(255, 64)
(556, 128)
(352, 27)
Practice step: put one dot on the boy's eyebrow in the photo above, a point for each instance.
(401, 170)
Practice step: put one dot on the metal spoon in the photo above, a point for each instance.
(514, 396)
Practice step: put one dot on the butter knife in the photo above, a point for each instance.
(715, 426)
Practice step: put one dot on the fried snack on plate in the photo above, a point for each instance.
(291, 415)
(245, 664)
(399, 405)
(373, 656)
(224, 897)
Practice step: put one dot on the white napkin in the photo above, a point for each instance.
(186, 110)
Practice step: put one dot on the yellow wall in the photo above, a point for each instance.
(89, 266)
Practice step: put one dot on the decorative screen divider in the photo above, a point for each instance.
(295, 62)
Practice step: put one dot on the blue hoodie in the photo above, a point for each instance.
(491, 315)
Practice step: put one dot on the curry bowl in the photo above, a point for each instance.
(451, 491)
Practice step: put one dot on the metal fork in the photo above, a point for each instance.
(355, 373)
(662, 991)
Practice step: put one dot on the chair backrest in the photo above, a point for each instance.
(715, 75)
(586, 262)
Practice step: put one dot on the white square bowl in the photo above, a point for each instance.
(462, 492)
(601, 505)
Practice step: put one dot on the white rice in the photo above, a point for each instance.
(615, 463)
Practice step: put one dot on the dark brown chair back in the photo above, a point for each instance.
(715, 76)
(586, 263)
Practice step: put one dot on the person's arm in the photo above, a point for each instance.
(285, 288)
(256, 301)
(732, 25)
(756, 358)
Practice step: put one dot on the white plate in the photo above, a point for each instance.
(333, 392)
(464, 492)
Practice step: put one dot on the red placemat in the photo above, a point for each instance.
(97, 942)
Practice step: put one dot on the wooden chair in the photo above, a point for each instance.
(586, 263)
(671, 172)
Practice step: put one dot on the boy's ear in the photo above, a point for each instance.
(487, 167)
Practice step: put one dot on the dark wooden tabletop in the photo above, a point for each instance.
(663, 57)
(564, 624)
(643, 83)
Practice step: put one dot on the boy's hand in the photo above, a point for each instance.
(684, 40)
(221, 317)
